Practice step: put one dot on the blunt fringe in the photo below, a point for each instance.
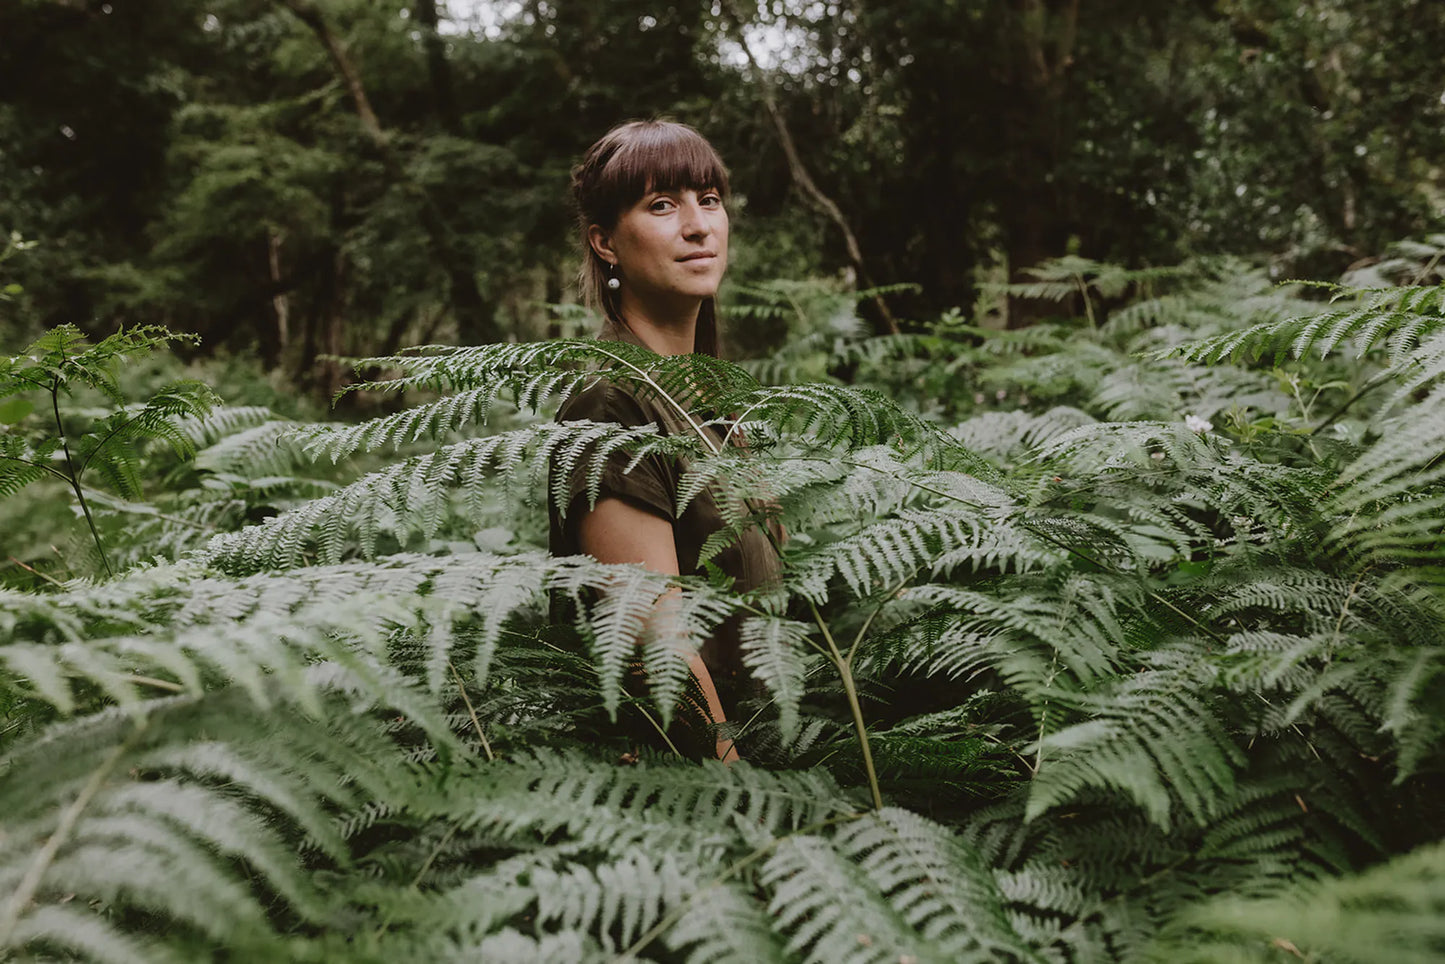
(627, 162)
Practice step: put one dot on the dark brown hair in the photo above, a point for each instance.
(627, 162)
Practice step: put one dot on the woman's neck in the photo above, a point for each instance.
(666, 329)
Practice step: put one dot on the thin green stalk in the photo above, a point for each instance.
(32, 570)
(863, 630)
(845, 674)
(108, 436)
(35, 465)
(481, 734)
(661, 732)
(1044, 716)
(160, 684)
(35, 873)
(74, 479)
(1088, 303)
(416, 881)
(1425, 271)
(647, 377)
(1384, 378)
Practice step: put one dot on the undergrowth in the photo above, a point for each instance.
(1115, 638)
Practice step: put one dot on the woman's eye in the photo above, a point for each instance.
(661, 204)
(712, 200)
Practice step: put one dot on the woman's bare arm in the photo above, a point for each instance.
(617, 531)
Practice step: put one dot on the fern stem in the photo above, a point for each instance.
(35, 873)
(661, 732)
(732, 870)
(481, 735)
(1088, 304)
(647, 378)
(1384, 378)
(1345, 609)
(74, 479)
(31, 569)
(862, 630)
(36, 465)
(436, 852)
(160, 684)
(108, 436)
(741, 419)
(1044, 715)
(845, 674)
(420, 874)
(771, 700)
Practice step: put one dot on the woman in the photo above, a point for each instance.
(651, 199)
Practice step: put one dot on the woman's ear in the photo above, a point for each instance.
(601, 243)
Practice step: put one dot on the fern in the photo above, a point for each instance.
(1390, 912)
(55, 365)
(1052, 672)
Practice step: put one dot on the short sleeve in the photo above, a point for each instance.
(651, 484)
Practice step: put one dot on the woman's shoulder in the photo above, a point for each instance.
(605, 400)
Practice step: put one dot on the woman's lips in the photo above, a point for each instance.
(698, 256)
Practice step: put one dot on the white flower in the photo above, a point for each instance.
(1196, 424)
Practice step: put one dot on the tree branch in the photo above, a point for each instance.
(475, 321)
(308, 13)
(799, 171)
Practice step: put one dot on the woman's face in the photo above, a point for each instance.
(671, 244)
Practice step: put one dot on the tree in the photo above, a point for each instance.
(1116, 129)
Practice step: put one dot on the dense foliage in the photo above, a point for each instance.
(214, 166)
(1114, 638)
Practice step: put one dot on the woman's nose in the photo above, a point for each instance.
(694, 219)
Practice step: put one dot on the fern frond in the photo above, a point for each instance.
(1003, 434)
(1028, 633)
(602, 804)
(1403, 316)
(936, 883)
(893, 551)
(831, 914)
(1392, 912)
(252, 451)
(222, 421)
(72, 929)
(726, 924)
(109, 448)
(623, 897)
(132, 822)
(432, 420)
(412, 496)
(1388, 498)
(1149, 738)
(775, 651)
(265, 655)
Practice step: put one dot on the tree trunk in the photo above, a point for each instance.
(280, 300)
(444, 98)
(476, 321)
(323, 330)
(1032, 224)
(804, 180)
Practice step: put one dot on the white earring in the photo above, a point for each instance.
(613, 282)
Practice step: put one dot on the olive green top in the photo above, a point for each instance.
(652, 485)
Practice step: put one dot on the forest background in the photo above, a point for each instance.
(289, 180)
(1110, 625)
